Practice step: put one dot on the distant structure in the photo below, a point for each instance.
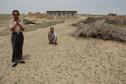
(61, 14)
(112, 15)
(36, 15)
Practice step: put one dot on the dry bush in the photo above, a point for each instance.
(119, 20)
(102, 30)
(88, 20)
(26, 21)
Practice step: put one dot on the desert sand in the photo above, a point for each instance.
(72, 61)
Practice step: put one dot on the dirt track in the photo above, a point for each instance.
(72, 61)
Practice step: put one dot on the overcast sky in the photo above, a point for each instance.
(82, 6)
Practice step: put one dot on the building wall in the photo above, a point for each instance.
(61, 15)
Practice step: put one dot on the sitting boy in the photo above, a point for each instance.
(52, 36)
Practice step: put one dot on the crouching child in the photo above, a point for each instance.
(52, 37)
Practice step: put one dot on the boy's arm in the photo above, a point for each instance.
(49, 34)
(21, 25)
(12, 27)
(55, 34)
(55, 39)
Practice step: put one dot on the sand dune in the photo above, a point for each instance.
(72, 61)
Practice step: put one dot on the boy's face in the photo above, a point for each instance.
(52, 30)
(16, 15)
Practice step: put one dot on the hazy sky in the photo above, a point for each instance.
(82, 6)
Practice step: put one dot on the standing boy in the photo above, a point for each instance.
(17, 39)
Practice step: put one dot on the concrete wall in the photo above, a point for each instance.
(62, 15)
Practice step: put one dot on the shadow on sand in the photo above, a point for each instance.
(26, 57)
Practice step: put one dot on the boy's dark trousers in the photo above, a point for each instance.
(17, 40)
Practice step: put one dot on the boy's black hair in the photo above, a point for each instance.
(52, 28)
(15, 11)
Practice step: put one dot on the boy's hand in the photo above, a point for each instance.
(17, 22)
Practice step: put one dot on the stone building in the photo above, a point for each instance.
(62, 14)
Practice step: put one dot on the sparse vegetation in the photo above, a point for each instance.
(97, 28)
(5, 17)
(118, 20)
(43, 24)
(30, 25)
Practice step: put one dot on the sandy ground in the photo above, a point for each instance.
(72, 61)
